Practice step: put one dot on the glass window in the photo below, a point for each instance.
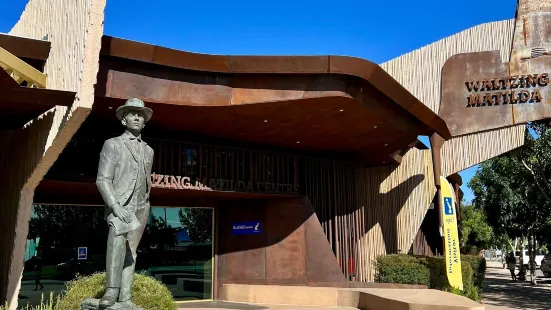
(176, 248)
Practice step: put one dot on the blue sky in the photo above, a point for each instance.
(374, 30)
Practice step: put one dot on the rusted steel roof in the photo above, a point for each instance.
(360, 68)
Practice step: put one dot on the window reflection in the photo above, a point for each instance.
(176, 249)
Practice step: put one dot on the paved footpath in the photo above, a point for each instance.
(500, 293)
(222, 305)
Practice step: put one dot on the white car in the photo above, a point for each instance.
(526, 258)
(546, 265)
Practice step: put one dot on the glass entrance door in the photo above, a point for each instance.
(176, 249)
(179, 251)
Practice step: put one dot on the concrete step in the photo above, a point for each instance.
(224, 305)
(355, 298)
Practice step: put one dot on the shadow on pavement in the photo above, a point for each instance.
(219, 305)
(499, 290)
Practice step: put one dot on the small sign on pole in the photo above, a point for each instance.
(82, 253)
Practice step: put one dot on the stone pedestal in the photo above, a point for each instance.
(93, 304)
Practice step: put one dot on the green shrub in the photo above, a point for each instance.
(469, 289)
(478, 264)
(147, 292)
(403, 269)
(437, 270)
(431, 271)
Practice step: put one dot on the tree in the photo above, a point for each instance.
(514, 190)
(159, 234)
(66, 227)
(477, 233)
(198, 221)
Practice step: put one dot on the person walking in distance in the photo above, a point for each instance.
(38, 272)
(124, 182)
(511, 265)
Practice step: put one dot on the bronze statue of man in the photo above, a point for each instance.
(124, 183)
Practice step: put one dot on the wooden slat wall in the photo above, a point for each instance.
(22, 151)
(421, 246)
(331, 187)
(465, 151)
(367, 212)
(74, 29)
(392, 201)
(420, 72)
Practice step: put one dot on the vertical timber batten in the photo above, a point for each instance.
(465, 151)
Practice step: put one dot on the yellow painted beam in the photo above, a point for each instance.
(21, 69)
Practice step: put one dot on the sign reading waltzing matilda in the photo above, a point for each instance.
(512, 84)
(480, 92)
(213, 184)
(506, 90)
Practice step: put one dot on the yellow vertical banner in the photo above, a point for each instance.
(451, 236)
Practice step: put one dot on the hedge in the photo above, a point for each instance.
(147, 292)
(478, 264)
(431, 271)
(402, 269)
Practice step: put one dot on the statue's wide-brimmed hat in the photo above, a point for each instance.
(134, 104)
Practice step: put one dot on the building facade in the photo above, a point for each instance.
(268, 170)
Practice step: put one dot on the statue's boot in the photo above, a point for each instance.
(109, 298)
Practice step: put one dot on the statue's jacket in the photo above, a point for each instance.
(118, 172)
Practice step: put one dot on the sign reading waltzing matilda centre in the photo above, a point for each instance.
(216, 184)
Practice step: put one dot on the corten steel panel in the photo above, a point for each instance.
(25, 47)
(537, 39)
(162, 55)
(387, 85)
(321, 263)
(279, 64)
(465, 68)
(292, 248)
(318, 124)
(520, 100)
(241, 257)
(267, 88)
(125, 85)
(345, 66)
(285, 252)
(192, 61)
(286, 112)
(6, 80)
(122, 48)
(20, 105)
(39, 96)
(85, 192)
